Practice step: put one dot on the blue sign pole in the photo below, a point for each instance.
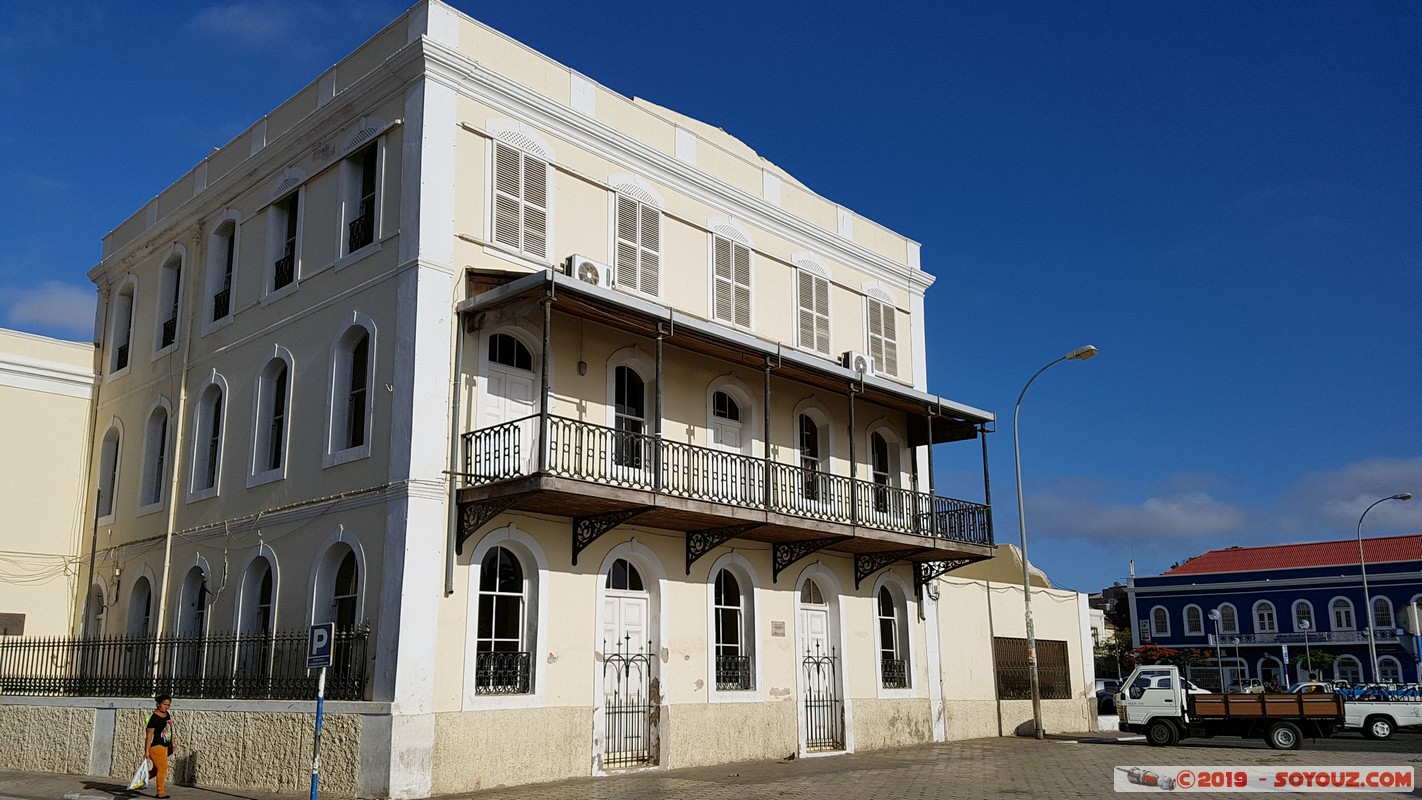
(319, 651)
(316, 744)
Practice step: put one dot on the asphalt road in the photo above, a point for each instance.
(1407, 742)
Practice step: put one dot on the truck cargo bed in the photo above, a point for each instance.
(1277, 706)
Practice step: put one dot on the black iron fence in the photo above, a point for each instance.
(505, 672)
(600, 454)
(361, 230)
(823, 710)
(238, 666)
(630, 699)
(735, 673)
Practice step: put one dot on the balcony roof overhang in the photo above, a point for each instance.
(949, 421)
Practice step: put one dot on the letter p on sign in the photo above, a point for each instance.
(320, 645)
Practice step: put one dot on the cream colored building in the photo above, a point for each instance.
(46, 391)
(617, 437)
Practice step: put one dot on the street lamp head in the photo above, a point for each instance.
(1215, 614)
(1082, 353)
(1401, 496)
(1304, 624)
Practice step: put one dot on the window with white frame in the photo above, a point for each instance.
(207, 439)
(812, 308)
(1348, 669)
(735, 667)
(1303, 616)
(1194, 621)
(170, 293)
(1229, 619)
(155, 458)
(283, 232)
(1382, 614)
(337, 590)
(639, 246)
(1389, 670)
(893, 640)
(520, 207)
(360, 184)
(108, 471)
(813, 480)
(1159, 621)
(221, 267)
(1341, 613)
(629, 418)
(1265, 620)
(881, 470)
(883, 337)
(273, 399)
(731, 277)
(504, 660)
(140, 608)
(258, 621)
(350, 391)
(121, 333)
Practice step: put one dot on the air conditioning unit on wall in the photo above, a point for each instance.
(859, 362)
(588, 271)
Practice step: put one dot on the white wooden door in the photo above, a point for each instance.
(508, 395)
(626, 678)
(729, 475)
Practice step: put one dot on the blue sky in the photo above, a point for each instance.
(1226, 198)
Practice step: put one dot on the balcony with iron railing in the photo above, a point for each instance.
(361, 231)
(170, 332)
(711, 479)
(1313, 637)
(284, 270)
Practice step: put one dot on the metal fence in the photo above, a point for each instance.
(612, 457)
(503, 672)
(1014, 673)
(237, 666)
(894, 672)
(735, 673)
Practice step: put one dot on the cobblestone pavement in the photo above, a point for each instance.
(1060, 768)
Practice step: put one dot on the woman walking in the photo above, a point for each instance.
(158, 740)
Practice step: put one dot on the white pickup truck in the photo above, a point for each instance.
(1155, 701)
(1376, 718)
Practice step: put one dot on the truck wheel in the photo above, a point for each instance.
(1378, 728)
(1284, 736)
(1162, 733)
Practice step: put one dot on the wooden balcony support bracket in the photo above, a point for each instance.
(783, 555)
(926, 571)
(475, 515)
(587, 530)
(866, 564)
(699, 543)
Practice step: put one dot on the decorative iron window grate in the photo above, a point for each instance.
(170, 332)
(735, 673)
(362, 230)
(894, 673)
(1014, 673)
(284, 270)
(503, 673)
(221, 304)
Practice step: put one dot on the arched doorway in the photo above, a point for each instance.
(507, 396)
(627, 673)
(821, 703)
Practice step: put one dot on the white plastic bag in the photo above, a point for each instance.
(140, 776)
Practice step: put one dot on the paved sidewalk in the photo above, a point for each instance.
(1060, 768)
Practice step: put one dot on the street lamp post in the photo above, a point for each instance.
(1079, 354)
(1367, 597)
(1304, 625)
(1219, 656)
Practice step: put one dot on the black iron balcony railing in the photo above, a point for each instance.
(283, 271)
(893, 672)
(121, 357)
(243, 666)
(503, 673)
(612, 457)
(362, 231)
(170, 332)
(735, 673)
(221, 304)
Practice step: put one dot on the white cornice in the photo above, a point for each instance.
(51, 377)
(464, 74)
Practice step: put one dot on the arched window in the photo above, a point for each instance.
(810, 593)
(893, 640)
(510, 352)
(1341, 612)
(254, 651)
(140, 608)
(190, 651)
(1265, 620)
(221, 264)
(155, 458)
(121, 334)
(812, 464)
(96, 615)
(1159, 621)
(735, 669)
(170, 295)
(283, 240)
(350, 391)
(1303, 616)
(207, 439)
(1229, 619)
(108, 471)
(345, 593)
(1349, 669)
(629, 418)
(1389, 670)
(1194, 621)
(1382, 614)
(624, 576)
(273, 397)
(881, 469)
(504, 658)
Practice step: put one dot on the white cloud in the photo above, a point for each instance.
(1172, 516)
(50, 307)
(252, 23)
(1334, 500)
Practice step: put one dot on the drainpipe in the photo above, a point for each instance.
(765, 438)
(452, 539)
(543, 394)
(987, 482)
(853, 466)
(657, 432)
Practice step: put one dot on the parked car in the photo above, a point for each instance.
(1106, 689)
(1248, 686)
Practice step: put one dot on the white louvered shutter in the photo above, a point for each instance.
(639, 241)
(651, 246)
(626, 242)
(725, 290)
(520, 201)
(813, 293)
(741, 261)
(883, 338)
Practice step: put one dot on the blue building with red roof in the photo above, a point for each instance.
(1276, 603)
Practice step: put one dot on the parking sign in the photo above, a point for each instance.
(320, 646)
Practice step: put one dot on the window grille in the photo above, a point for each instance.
(1014, 673)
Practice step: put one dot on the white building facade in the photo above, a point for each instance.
(600, 437)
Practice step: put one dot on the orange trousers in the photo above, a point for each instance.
(158, 753)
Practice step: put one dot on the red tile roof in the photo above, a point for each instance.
(1309, 554)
